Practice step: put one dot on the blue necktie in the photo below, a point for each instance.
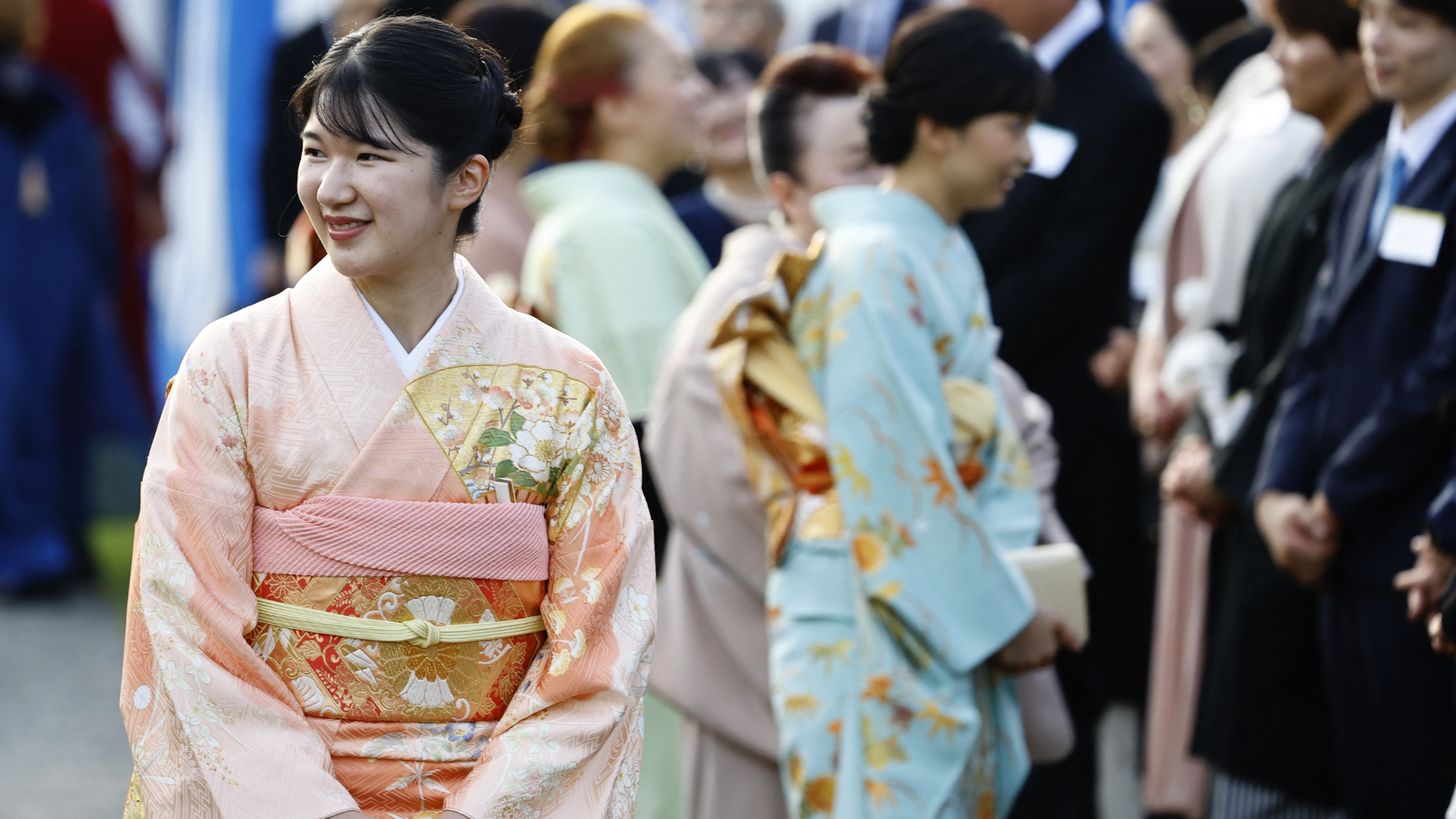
(1392, 183)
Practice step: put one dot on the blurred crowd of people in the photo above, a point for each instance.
(1225, 291)
(83, 141)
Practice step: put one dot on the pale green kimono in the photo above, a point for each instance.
(610, 265)
(885, 610)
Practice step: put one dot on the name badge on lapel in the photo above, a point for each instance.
(1052, 149)
(1413, 236)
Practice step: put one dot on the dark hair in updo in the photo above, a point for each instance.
(791, 84)
(951, 66)
(399, 79)
(1220, 35)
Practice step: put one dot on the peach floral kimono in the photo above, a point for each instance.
(295, 462)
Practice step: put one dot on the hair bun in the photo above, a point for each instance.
(891, 128)
(507, 122)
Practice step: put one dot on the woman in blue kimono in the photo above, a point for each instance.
(896, 618)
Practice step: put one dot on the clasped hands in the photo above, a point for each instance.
(1303, 534)
(1188, 479)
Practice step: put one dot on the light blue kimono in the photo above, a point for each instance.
(883, 617)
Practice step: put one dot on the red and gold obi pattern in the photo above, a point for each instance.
(350, 679)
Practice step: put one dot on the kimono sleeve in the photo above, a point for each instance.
(214, 732)
(928, 563)
(570, 742)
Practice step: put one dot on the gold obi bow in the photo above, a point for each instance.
(769, 395)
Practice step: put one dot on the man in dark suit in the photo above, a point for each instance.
(865, 27)
(1356, 455)
(1057, 258)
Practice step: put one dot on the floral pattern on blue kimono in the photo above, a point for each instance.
(894, 589)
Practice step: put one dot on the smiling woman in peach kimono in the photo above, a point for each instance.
(393, 558)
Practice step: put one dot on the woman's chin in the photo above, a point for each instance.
(350, 263)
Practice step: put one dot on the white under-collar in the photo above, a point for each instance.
(409, 361)
(1417, 142)
(1084, 18)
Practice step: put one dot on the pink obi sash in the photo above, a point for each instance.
(337, 536)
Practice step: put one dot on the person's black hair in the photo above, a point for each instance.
(1338, 21)
(789, 83)
(717, 67)
(951, 66)
(1195, 21)
(1220, 35)
(1212, 70)
(402, 79)
(515, 32)
(1444, 10)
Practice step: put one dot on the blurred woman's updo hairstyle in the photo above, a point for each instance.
(789, 86)
(1221, 36)
(587, 55)
(951, 66)
(403, 79)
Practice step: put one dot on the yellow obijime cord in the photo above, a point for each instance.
(421, 633)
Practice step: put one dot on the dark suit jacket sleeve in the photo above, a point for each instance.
(1237, 465)
(1443, 519)
(1105, 194)
(1291, 462)
(1376, 460)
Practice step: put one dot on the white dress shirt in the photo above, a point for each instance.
(1416, 142)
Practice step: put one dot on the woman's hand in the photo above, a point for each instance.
(1155, 415)
(1188, 479)
(1036, 645)
(1112, 365)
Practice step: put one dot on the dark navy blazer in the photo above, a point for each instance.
(1361, 416)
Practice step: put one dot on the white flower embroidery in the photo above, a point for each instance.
(437, 610)
(363, 665)
(536, 448)
(312, 697)
(427, 693)
(593, 586)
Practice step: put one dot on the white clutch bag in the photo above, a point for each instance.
(1057, 574)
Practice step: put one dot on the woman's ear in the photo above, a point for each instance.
(614, 114)
(932, 135)
(468, 183)
(783, 190)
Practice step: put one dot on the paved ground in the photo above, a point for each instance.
(63, 753)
